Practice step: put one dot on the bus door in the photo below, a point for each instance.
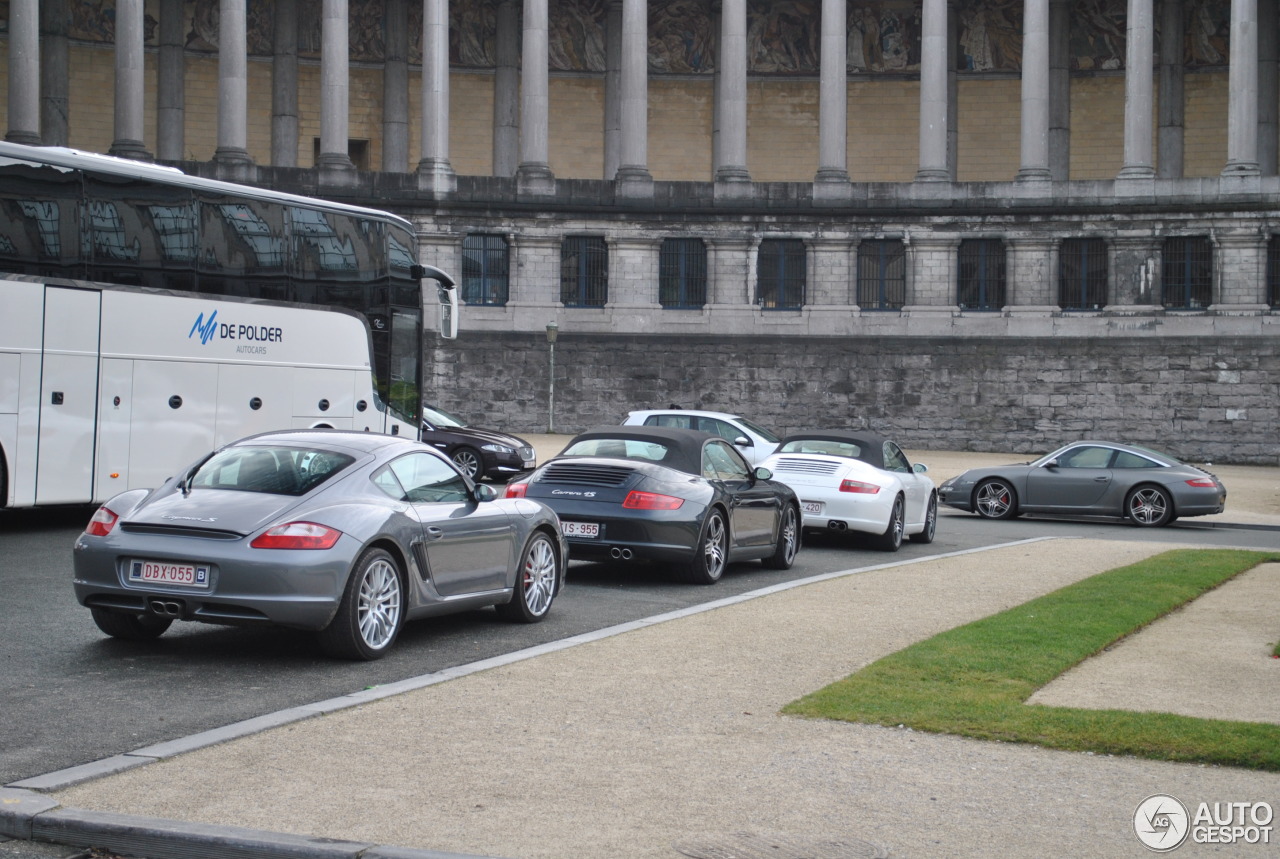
(68, 396)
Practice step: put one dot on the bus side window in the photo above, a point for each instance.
(242, 249)
(40, 221)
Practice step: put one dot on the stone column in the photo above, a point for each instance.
(130, 82)
(506, 91)
(1135, 274)
(633, 281)
(731, 175)
(1035, 91)
(171, 93)
(395, 87)
(1059, 90)
(1139, 32)
(634, 179)
(435, 173)
(334, 161)
(1033, 275)
(935, 96)
(1242, 101)
(729, 272)
(612, 89)
(534, 176)
(24, 72)
(55, 72)
(831, 183)
(1268, 89)
(284, 85)
(1242, 267)
(232, 154)
(932, 260)
(1173, 105)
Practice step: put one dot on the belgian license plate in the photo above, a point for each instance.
(811, 506)
(166, 573)
(588, 530)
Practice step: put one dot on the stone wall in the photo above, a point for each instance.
(1203, 399)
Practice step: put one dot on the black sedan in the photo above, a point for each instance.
(349, 534)
(1090, 478)
(669, 495)
(478, 452)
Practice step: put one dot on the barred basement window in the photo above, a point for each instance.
(485, 267)
(682, 273)
(584, 271)
(982, 281)
(781, 274)
(1082, 274)
(882, 274)
(1273, 271)
(1186, 271)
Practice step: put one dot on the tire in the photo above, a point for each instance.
(469, 462)
(930, 523)
(130, 627)
(995, 499)
(891, 539)
(784, 554)
(712, 552)
(371, 612)
(1149, 506)
(537, 580)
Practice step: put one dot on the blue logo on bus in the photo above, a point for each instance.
(206, 330)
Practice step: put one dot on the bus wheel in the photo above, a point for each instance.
(130, 627)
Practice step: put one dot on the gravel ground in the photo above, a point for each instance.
(669, 736)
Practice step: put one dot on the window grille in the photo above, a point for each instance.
(882, 275)
(485, 267)
(781, 275)
(1082, 274)
(584, 271)
(1186, 271)
(982, 278)
(682, 273)
(1273, 271)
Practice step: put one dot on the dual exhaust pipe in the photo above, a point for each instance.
(166, 608)
(620, 554)
(837, 525)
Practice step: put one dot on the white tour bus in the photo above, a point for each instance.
(147, 316)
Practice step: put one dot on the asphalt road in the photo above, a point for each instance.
(69, 695)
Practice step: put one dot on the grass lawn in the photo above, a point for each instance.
(974, 680)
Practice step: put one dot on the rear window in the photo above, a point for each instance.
(823, 446)
(272, 470)
(622, 448)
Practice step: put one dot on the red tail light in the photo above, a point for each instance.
(637, 500)
(516, 490)
(1203, 483)
(297, 535)
(859, 487)
(101, 523)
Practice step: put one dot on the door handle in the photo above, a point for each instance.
(1102, 480)
(434, 533)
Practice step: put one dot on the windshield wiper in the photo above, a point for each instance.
(190, 477)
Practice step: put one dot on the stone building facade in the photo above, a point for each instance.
(986, 224)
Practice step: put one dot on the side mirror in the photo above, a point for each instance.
(1053, 463)
(763, 473)
(919, 468)
(484, 492)
(742, 441)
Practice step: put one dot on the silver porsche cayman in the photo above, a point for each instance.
(349, 534)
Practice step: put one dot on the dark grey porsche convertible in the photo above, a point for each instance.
(1090, 478)
(346, 533)
(664, 494)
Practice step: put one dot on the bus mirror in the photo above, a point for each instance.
(420, 271)
(448, 312)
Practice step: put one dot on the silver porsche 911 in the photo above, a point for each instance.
(346, 533)
(1090, 478)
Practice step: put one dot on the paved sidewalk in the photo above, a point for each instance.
(662, 738)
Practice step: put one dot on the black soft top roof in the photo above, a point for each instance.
(870, 445)
(684, 446)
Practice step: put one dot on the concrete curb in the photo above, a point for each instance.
(26, 814)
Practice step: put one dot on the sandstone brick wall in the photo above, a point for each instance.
(1198, 398)
(883, 120)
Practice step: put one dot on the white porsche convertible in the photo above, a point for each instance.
(857, 481)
